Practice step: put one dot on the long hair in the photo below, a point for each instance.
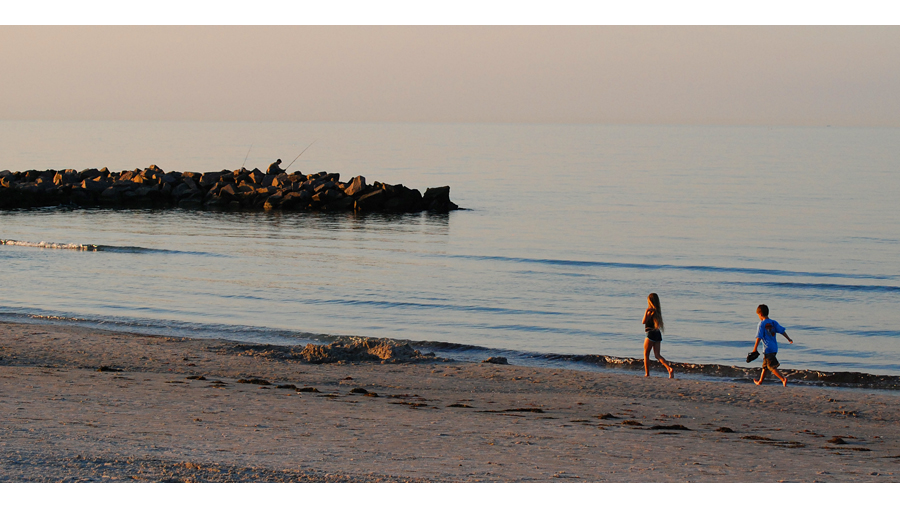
(653, 300)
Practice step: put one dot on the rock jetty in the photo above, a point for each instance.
(224, 190)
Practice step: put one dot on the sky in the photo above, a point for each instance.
(708, 75)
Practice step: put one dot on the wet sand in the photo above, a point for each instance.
(175, 409)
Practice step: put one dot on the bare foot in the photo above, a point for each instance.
(757, 383)
(671, 373)
(784, 382)
(647, 375)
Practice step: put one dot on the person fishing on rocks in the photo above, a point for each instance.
(275, 168)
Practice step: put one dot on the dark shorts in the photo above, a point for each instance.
(654, 336)
(770, 362)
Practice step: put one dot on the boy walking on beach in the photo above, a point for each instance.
(766, 333)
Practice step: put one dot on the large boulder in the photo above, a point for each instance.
(371, 201)
(355, 186)
(209, 179)
(437, 199)
(109, 196)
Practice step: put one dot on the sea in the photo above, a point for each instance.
(564, 230)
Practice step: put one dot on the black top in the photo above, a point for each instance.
(649, 326)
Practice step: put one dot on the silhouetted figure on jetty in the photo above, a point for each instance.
(275, 168)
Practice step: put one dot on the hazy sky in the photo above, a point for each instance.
(672, 75)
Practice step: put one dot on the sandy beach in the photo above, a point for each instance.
(196, 410)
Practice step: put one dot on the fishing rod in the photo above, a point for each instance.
(301, 153)
(248, 155)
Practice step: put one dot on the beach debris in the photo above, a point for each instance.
(226, 190)
(633, 423)
(498, 360)
(308, 389)
(837, 440)
(669, 427)
(412, 405)
(359, 390)
(774, 442)
(607, 416)
(107, 368)
(727, 430)
(287, 387)
(254, 381)
(459, 405)
(361, 349)
(198, 378)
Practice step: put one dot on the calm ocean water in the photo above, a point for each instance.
(567, 229)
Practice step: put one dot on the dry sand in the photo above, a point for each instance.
(63, 420)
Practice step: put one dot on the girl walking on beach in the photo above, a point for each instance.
(653, 325)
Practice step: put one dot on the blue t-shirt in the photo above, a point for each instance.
(766, 333)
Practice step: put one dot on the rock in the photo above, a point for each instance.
(93, 186)
(182, 190)
(281, 180)
(437, 199)
(109, 196)
(148, 191)
(356, 186)
(216, 202)
(359, 390)
(499, 360)
(227, 191)
(256, 176)
(370, 201)
(345, 203)
(294, 200)
(403, 200)
(209, 179)
(82, 197)
(191, 203)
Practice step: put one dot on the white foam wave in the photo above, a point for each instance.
(50, 245)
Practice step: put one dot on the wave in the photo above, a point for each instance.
(445, 306)
(90, 247)
(51, 245)
(821, 286)
(692, 268)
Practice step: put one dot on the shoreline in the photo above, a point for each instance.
(475, 354)
(82, 404)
